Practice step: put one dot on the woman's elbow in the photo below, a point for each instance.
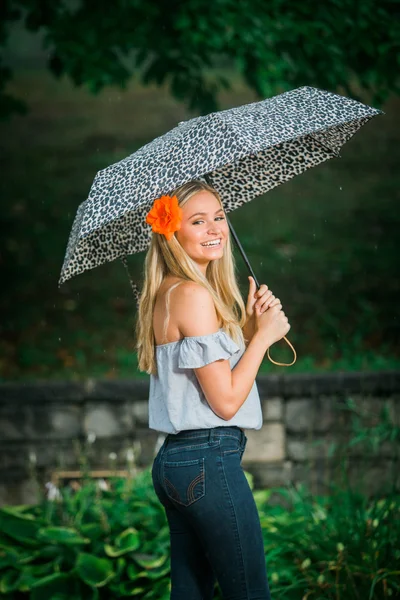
(223, 407)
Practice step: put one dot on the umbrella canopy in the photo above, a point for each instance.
(243, 152)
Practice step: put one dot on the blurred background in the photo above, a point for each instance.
(84, 84)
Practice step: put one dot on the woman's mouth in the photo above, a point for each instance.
(212, 243)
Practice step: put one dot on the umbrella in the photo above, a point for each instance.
(243, 152)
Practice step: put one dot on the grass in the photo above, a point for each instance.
(326, 242)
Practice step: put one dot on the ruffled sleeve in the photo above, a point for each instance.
(198, 351)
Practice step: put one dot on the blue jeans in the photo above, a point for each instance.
(215, 530)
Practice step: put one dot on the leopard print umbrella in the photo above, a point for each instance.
(244, 152)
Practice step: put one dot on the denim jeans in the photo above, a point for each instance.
(215, 530)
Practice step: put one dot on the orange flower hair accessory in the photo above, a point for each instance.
(165, 216)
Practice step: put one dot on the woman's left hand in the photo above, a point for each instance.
(262, 297)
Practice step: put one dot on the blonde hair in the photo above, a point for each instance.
(169, 258)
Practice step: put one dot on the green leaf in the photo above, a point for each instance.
(9, 581)
(149, 561)
(19, 527)
(62, 535)
(48, 587)
(94, 571)
(128, 588)
(93, 531)
(127, 541)
(40, 570)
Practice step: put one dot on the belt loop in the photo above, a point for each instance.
(210, 435)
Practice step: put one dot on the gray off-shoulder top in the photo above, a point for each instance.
(176, 400)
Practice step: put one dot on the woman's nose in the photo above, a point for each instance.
(214, 227)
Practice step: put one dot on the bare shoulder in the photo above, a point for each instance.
(194, 309)
(189, 292)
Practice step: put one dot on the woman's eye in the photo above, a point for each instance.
(195, 222)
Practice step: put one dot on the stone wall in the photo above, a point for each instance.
(47, 426)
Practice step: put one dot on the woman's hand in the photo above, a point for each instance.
(264, 298)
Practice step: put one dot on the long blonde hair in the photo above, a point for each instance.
(169, 258)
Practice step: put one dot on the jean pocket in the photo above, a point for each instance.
(184, 481)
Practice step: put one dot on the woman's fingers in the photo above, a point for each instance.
(274, 302)
(264, 300)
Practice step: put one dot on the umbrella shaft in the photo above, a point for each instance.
(239, 245)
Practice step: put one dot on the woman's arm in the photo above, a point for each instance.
(225, 389)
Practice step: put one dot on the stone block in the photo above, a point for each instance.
(299, 415)
(268, 475)
(395, 409)
(150, 443)
(265, 445)
(115, 391)
(108, 420)
(65, 421)
(14, 457)
(269, 385)
(300, 450)
(272, 409)
(14, 474)
(39, 392)
(326, 411)
(103, 449)
(63, 456)
(365, 449)
(55, 421)
(373, 477)
(38, 455)
(370, 408)
(140, 410)
(317, 479)
(15, 422)
(19, 492)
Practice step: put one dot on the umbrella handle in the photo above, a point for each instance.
(284, 364)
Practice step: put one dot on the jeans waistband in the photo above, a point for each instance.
(210, 433)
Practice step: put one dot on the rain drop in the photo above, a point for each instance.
(340, 188)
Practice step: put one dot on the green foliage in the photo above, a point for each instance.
(115, 544)
(275, 45)
(342, 547)
(380, 430)
(91, 543)
(99, 542)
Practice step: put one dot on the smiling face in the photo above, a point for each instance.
(198, 229)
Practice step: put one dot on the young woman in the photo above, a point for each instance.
(202, 348)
